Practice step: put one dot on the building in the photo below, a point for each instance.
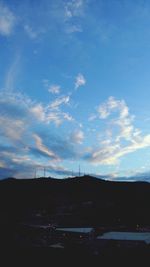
(125, 239)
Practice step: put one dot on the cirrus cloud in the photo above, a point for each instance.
(121, 137)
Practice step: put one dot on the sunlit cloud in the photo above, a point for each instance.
(52, 112)
(43, 149)
(121, 137)
(112, 104)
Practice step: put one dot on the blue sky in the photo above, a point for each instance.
(75, 88)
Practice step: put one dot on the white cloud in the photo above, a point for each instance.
(121, 137)
(77, 137)
(38, 111)
(74, 8)
(54, 89)
(111, 154)
(51, 112)
(18, 110)
(67, 116)
(73, 11)
(7, 20)
(58, 102)
(58, 117)
(80, 81)
(112, 104)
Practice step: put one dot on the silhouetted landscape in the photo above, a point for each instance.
(84, 200)
(33, 209)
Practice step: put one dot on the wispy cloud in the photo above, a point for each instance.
(43, 149)
(80, 81)
(73, 12)
(33, 33)
(12, 72)
(54, 89)
(20, 121)
(113, 104)
(77, 137)
(121, 137)
(28, 132)
(73, 28)
(21, 110)
(25, 167)
(74, 8)
(7, 20)
(52, 112)
(92, 117)
(58, 102)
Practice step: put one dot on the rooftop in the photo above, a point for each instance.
(130, 236)
(76, 230)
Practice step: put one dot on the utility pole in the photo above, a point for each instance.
(79, 170)
(35, 173)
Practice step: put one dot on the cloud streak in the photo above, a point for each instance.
(12, 73)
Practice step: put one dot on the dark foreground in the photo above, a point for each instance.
(26, 245)
(82, 201)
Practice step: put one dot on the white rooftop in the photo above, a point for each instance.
(77, 230)
(130, 236)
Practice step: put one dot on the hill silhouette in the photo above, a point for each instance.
(75, 201)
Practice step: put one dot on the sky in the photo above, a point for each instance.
(75, 88)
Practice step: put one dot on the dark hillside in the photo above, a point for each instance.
(87, 199)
